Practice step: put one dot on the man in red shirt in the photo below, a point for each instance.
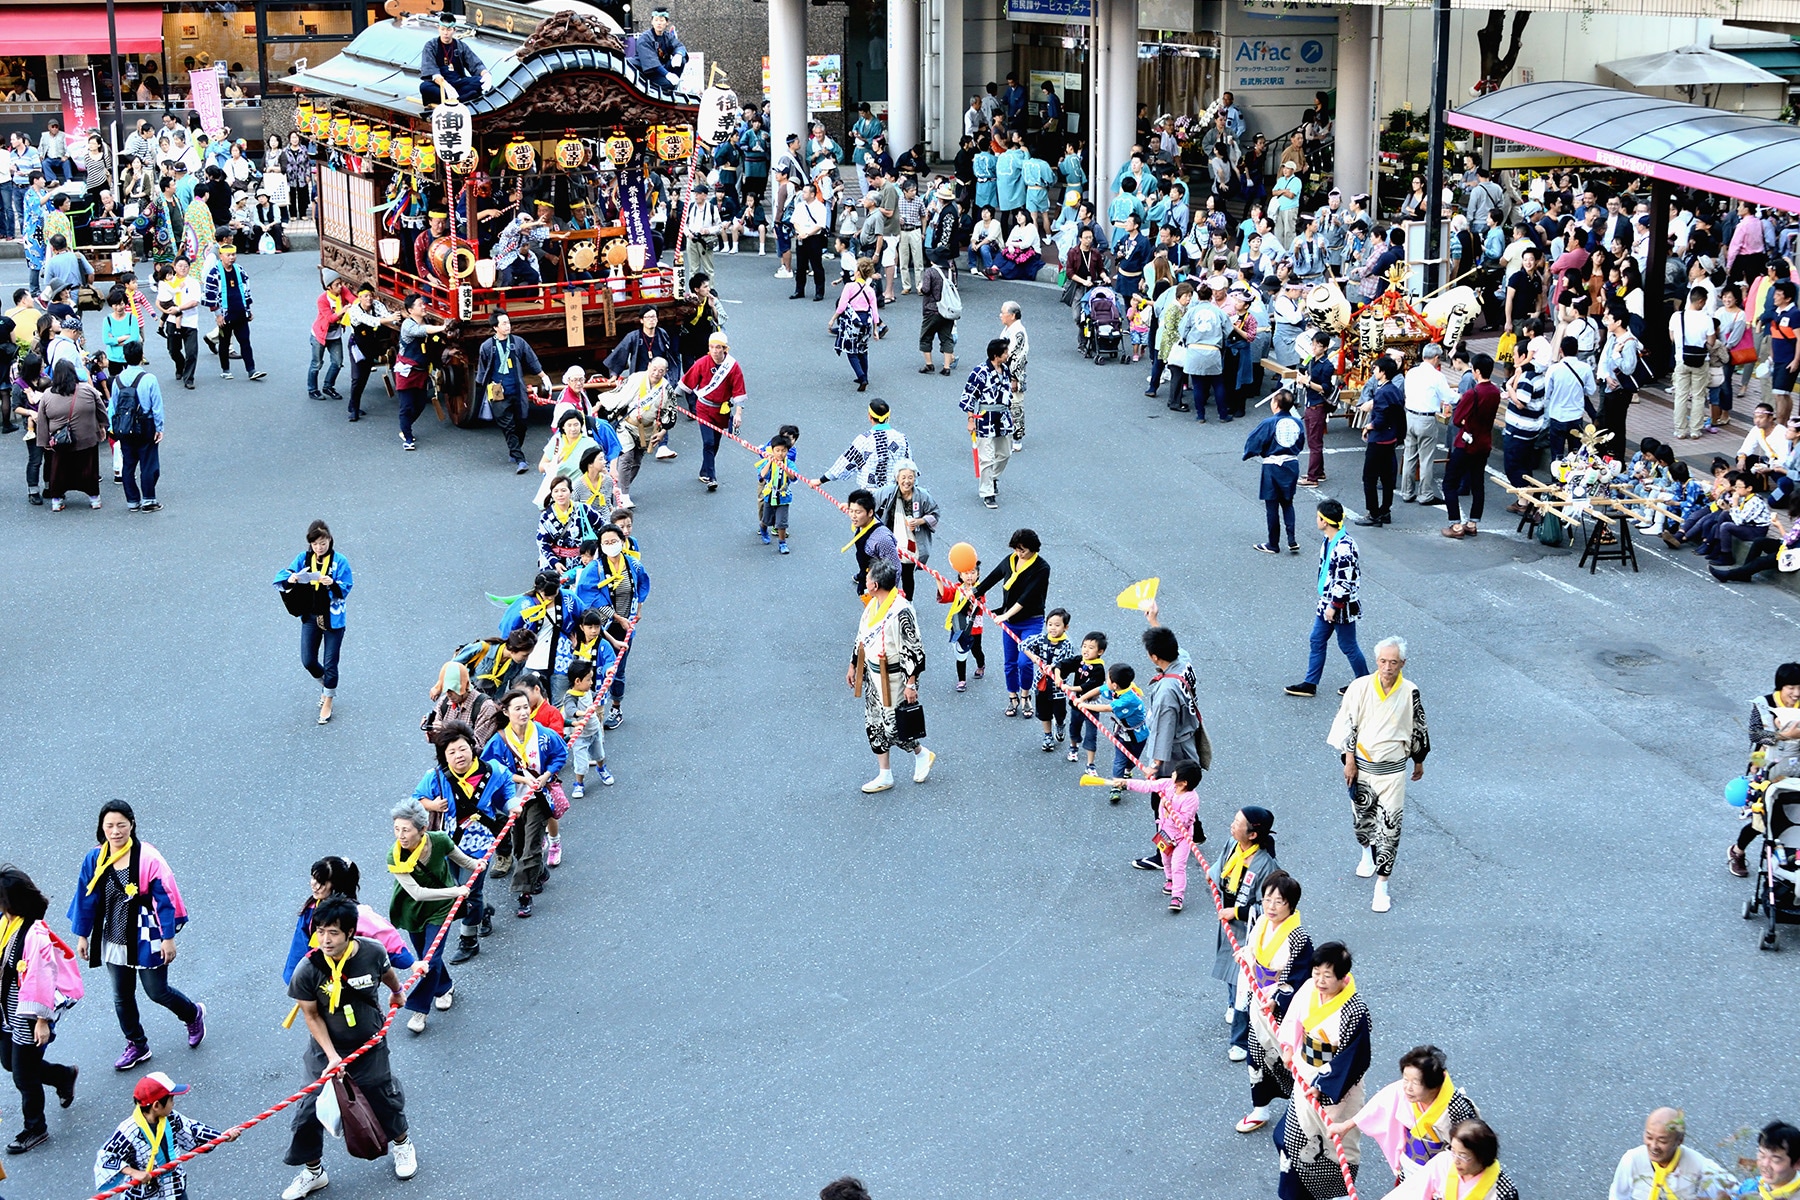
(1471, 440)
(717, 383)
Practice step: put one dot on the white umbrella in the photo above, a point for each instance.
(1688, 67)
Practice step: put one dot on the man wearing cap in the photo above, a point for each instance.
(788, 176)
(447, 66)
(701, 232)
(872, 455)
(337, 989)
(328, 335)
(153, 1136)
(717, 382)
(659, 55)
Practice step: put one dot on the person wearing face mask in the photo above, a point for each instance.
(615, 581)
(125, 914)
(468, 797)
(1411, 1118)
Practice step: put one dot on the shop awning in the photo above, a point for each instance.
(1728, 154)
(48, 30)
(1781, 60)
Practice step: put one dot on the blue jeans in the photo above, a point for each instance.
(1240, 1018)
(985, 257)
(437, 976)
(143, 467)
(618, 683)
(335, 349)
(58, 168)
(859, 363)
(1122, 758)
(10, 210)
(709, 449)
(1209, 383)
(1019, 669)
(1346, 637)
(319, 652)
(156, 986)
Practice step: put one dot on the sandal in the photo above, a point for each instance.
(1012, 705)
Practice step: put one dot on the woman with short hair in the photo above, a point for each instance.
(1411, 1119)
(422, 864)
(1327, 1032)
(1277, 958)
(912, 514)
(468, 797)
(314, 587)
(884, 669)
(1474, 1160)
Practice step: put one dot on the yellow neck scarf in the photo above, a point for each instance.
(1273, 937)
(563, 511)
(9, 927)
(1317, 1014)
(570, 445)
(1479, 1190)
(1779, 1193)
(540, 611)
(320, 564)
(467, 778)
(160, 1142)
(522, 746)
(1019, 565)
(587, 650)
(1659, 1177)
(879, 608)
(858, 537)
(334, 988)
(958, 602)
(1381, 695)
(400, 863)
(1233, 871)
(109, 860)
(1425, 1122)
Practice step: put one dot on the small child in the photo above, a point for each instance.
(1131, 721)
(776, 475)
(1086, 680)
(755, 221)
(152, 1135)
(1058, 655)
(589, 746)
(1139, 320)
(1177, 807)
(590, 550)
(964, 624)
(846, 259)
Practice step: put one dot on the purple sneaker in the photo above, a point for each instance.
(134, 1055)
(197, 1027)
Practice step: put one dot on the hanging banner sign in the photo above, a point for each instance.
(203, 98)
(634, 211)
(1282, 62)
(81, 110)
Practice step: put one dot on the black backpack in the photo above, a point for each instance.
(129, 419)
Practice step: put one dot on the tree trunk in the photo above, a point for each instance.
(1495, 66)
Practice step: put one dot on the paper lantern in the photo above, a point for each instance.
(389, 248)
(571, 152)
(425, 159)
(484, 272)
(359, 137)
(380, 141)
(402, 150)
(619, 147)
(634, 257)
(672, 142)
(340, 131)
(520, 156)
(303, 118)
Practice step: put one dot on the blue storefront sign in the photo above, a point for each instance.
(1056, 12)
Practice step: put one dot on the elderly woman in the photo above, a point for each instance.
(1239, 876)
(71, 420)
(1380, 724)
(562, 452)
(1411, 1118)
(985, 243)
(646, 410)
(1326, 1032)
(1277, 959)
(884, 670)
(454, 698)
(422, 864)
(468, 797)
(1469, 1168)
(908, 509)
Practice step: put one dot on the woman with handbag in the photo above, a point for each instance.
(314, 587)
(40, 979)
(71, 417)
(1737, 349)
(853, 324)
(884, 669)
(646, 412)
(125, 914)
(468, 797)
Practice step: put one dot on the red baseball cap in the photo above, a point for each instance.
(154, 1087)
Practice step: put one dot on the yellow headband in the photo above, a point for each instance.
(878, 418)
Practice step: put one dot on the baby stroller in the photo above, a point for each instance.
(1778, 858)
(1101, 325)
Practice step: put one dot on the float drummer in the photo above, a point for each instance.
(660, 56)
(446, 65)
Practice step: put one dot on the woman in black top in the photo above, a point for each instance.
(1025, 583)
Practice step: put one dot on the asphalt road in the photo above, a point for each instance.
(747, 977)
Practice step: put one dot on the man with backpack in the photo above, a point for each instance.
(134, 417)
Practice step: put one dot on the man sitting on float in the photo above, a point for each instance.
(446, 65)
(659, 54)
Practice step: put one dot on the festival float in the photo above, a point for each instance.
(1389, 322)
(414, 198)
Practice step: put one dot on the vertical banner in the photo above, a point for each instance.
(81, 110)
(634, 210)
(574, 320)
(203, 97)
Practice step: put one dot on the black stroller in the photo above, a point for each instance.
(1100, 321)
(1777, 857)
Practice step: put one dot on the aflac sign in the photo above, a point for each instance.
(1281, 62)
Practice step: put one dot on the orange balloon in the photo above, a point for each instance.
(962, 557)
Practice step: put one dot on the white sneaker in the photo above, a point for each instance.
(1366, 867)
(443, 1002)
(1237, 1054)
(406, 1159)
(416, 1022)
(922, 766)
(784, 273)
(666, 453)
(1382, 902)
(306, 1183)
(880, 783)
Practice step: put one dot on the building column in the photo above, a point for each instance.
(945, 100)
(904, 67)
(787, 72)
(1115, 65)
(1353, 142)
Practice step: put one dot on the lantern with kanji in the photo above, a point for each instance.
(359, 137)
(401, 151)
(340, 131)
(672, 143)
(571, 152)
(425, 158)
(619, 147)
(380, 139)
(303, 118)
(520, 156)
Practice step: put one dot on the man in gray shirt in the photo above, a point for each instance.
(65, 268)
(889, 206)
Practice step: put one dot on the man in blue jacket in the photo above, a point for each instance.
(1277, 441)
(447, 67)
(1386, 407)
(659, 55)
